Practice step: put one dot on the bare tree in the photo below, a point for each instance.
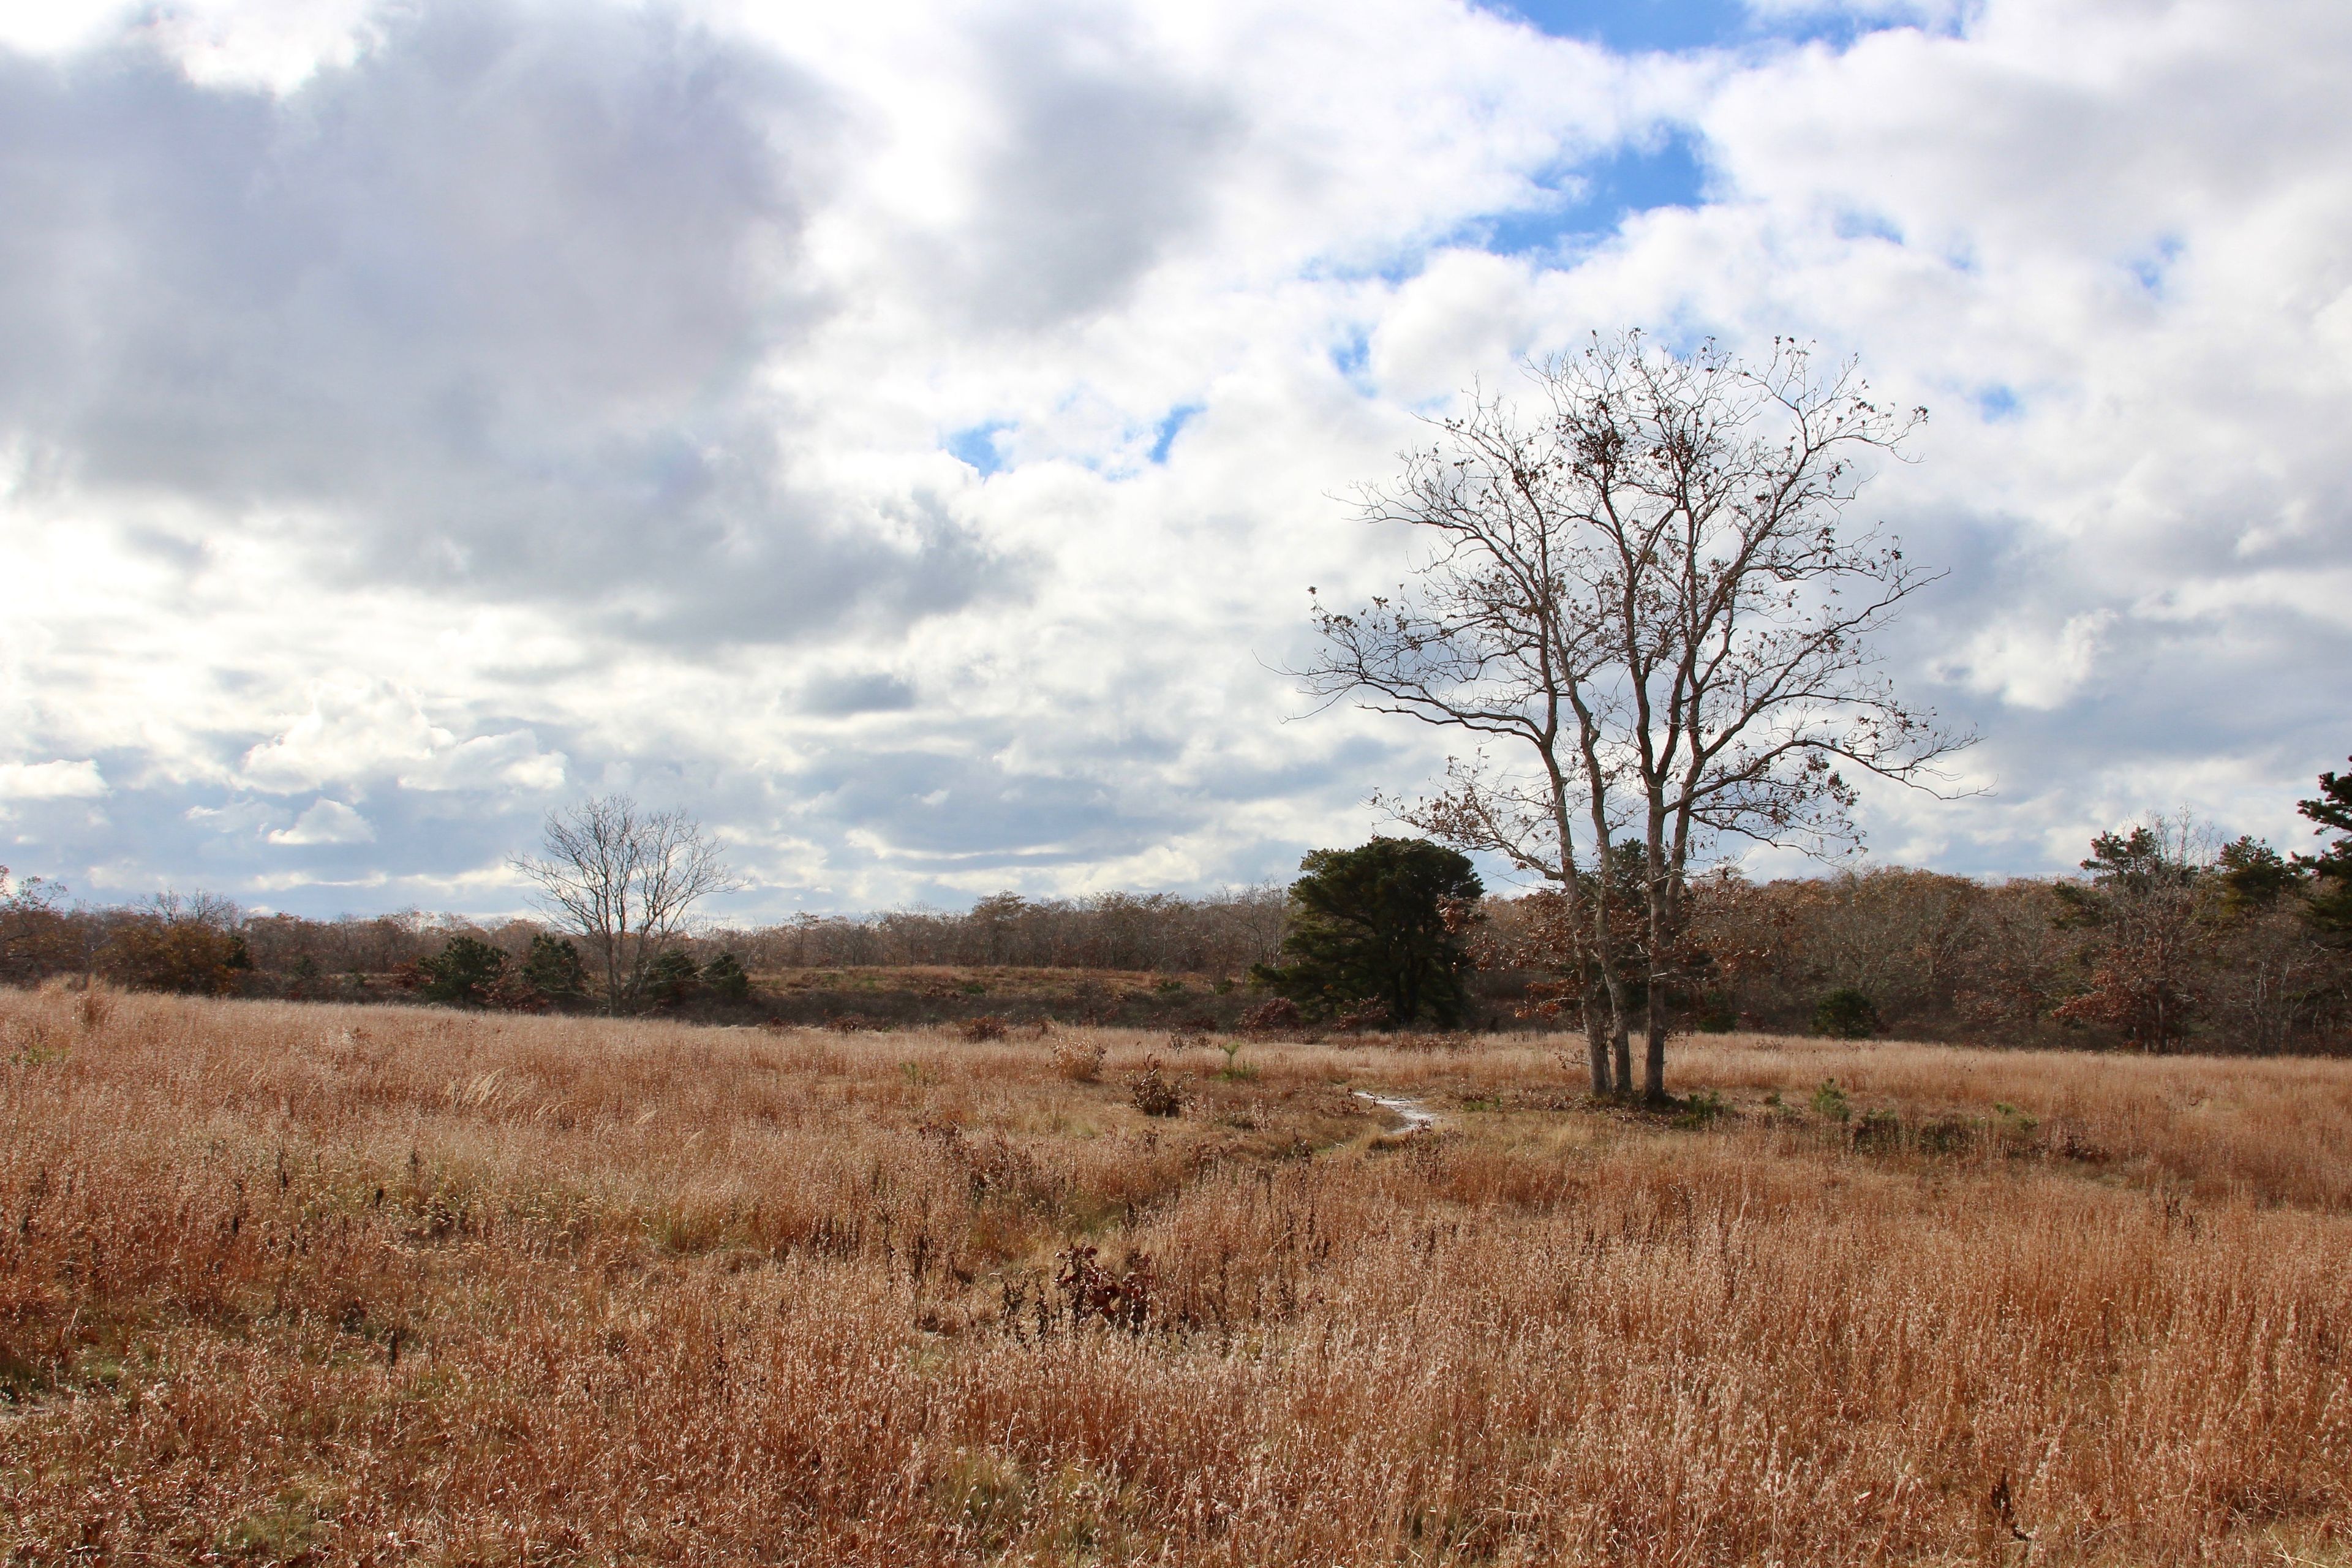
(622, 879)
(1645, 593)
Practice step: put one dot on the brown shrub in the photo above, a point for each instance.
(1152, 1093)
(1093, 1292)
(512, 993)
(1079, 1059)
(1275, 1016)
(987, 1026)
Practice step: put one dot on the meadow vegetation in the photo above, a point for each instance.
(331, 1283)
(2210, 958)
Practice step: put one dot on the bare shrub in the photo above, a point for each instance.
(91, 1001)
(1094, 1293)
(1152, 1093)
(1079, 1061)
(1275, 1016)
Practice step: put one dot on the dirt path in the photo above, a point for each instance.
(1417, 1117)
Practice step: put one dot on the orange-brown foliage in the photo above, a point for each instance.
(344, 1285)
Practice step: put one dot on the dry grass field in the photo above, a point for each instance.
(284, 1282)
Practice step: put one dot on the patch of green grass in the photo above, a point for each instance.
(985, 1492)
(281, 1531)
(1701, 1108)
(1877, 1129)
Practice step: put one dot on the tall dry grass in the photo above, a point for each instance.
(280, 1282)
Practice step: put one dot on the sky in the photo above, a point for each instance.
(905, 435)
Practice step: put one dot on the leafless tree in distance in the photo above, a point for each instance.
(622, 879)
(1643, 592)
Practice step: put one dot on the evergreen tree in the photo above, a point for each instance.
(2141, 908)
(2254, 877)
(1379, 924)
(555, 970)
(670, 975)
(725, 976)
(2331, 869)
(463, 972)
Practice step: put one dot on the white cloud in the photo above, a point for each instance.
(360, 732)
(50, 26)
(476, 404)
(272, 44)
(2033, 666)
(508, 761)
(51, 781)
(354, 730)
(326, 822)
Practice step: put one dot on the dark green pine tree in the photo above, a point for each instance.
(668, 977)
(726, 977)
(2331, 869)
(2254, 877)
(463, 972)
(553, 969)
(1381, 925)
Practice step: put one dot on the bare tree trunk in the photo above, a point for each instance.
(1596, 1034)
(1658, 965)
(1620, 1030)
(1653, 1059)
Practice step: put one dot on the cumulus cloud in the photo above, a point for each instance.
(511, 761)
(352, 731)
(51, 781)
(371, 731)
(326, 822)
(2033, 664)
(483, 307)
(904, 433)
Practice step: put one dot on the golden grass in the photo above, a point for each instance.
(352, 1285)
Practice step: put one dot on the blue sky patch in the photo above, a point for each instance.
(1997, 402)
(1672, 26)
(1352, 358)
(1857, 223)
(1631, 179)
(975, 445)
(1168, 427)
(2155, 266)
(1631, 26)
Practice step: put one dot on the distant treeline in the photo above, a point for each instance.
(2151, 954)
(1223, 933)
(208, 943)
(2155, 947)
